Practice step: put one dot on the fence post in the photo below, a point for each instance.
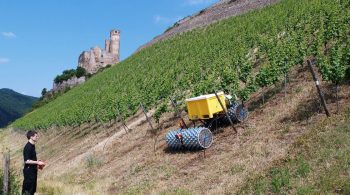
(323, 101)
(126, 128)
(149, 121)
(6, 183)
(177, 111)
(225, 110)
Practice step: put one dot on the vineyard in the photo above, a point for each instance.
(239, 55)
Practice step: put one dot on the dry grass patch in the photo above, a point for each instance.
(318, 163)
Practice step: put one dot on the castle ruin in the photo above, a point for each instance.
(98, 58)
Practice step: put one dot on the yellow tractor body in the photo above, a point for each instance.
(205, 106)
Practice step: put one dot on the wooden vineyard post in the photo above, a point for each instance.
(126, 128)
(177, 112)
(156, 138)
(318, 88)
(6, 180)
(149, 122)
(228, 117)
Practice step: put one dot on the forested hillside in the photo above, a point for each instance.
(13, 105)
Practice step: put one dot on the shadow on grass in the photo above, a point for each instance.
(265, 97)
(304, 111)
(183, 150)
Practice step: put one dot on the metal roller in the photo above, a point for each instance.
(191, 139)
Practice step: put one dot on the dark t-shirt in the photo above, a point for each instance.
(29, 153)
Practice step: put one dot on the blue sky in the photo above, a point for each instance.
(41, 38)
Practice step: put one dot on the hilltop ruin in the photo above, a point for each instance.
(98, 58)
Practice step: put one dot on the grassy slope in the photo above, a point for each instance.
(13, 105)
(128, 165)
(318, 163)
(193, 63)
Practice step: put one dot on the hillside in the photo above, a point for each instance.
(282, 143)
(13, 105)
(287, 146)
(219, 11)
(239, 55)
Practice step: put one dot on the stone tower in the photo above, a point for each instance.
(97, 58)
(114, 43)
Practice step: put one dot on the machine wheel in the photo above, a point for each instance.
(236, 113)
(241, 113)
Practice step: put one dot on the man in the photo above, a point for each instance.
(31, 164)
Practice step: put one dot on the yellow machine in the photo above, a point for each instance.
(212, 110)
(205, 106)
(217, 108)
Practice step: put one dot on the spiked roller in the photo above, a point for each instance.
(192, 138)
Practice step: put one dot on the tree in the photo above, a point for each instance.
(43, 92)
(66, 74)
(80, 72)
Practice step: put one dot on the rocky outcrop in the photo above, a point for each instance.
(74, 81)
(214, 13)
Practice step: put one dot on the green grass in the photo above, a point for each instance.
(92, 161)
(49, 190)
(15, 185)
(177, 191)
(238, 55)
(140, 188)
(319, 163)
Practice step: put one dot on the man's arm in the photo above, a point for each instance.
(34, 162)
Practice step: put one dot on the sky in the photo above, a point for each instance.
(41, 38)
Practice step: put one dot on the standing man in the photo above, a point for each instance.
(31, 164)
